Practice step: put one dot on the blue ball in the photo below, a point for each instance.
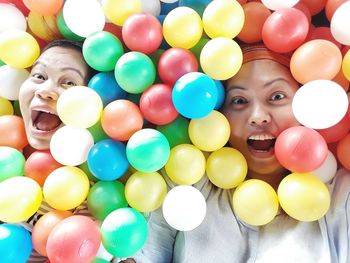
(221, 94)
(107, 87)
(165, 8)
(15, 244)
(194, 95)
(107, 160)
(197, 5)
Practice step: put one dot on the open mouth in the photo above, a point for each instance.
(261, 143)
(45, 121)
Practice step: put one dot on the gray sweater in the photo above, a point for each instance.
(222, 237)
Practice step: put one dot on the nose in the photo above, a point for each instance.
(47, 92)
(260, 116)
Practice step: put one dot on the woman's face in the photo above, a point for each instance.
(56, 70)
(258, 106)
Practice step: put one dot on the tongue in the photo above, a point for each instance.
(261, 145)
(47, 122)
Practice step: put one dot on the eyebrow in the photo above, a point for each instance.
(265, 85)
(65, 68)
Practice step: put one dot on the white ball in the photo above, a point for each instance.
(278, 4)
(151, 7)
(184, 208)
(84, 17)
(169, 1)
(11, 80)
(327, 170)
(340, 24)
(11, 18)
(320, 104)
(71, 145)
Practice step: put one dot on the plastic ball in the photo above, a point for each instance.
(315, 60)
(11, 81)
(11, 18)
(320, 98)
(145, 192)
(117, 11)
(147, 150)
(105, 197)
(315, 6)
(43, 27)
(276, 4)
(65, 30)
(285, 30)
(327, 170)
(43, 228)
(151, 7)
(124, 232)
(255, 202)
(74, 239)
(12, 132)
(174, 63)
(331, 7)
(134, 72)
(304, 197)
(322, 32)
(340, 24)
(194, 95)
(107, 87)
(156, 104)
(182, 27)
(176, 132)
(20, 198)
(337, 131)
(197, 5)
(184, 208)
(101, 50)
(226, 168)
(44, 7)
(6, 107)
(79, 107)
(15, 243)
(300, 149)
(18, 49)
(343, 153)
(39, 165)
(107, 160)
(346, 65)
(121, 119)
(11, 163)
(66, 188)
(186, 164)
(223, 18)
(211, 132)
(221, 58)
(90, 19)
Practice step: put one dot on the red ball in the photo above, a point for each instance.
(300, 149)
(322, 32)
(39, 165)
(285, 30)
(174, 63)
(142, 32)
(336, 132)
(157, 106)
(74, 239)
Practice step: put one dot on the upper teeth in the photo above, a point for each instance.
(261, 137)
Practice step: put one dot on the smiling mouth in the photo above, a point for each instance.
(45, 121)
(261, 143)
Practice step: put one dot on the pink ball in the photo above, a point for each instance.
(74, 239)
(142, 32)
(300, 149)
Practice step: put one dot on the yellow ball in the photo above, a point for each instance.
(209, 133)
(18, 49)
(182, 27)
(346, 65)
(226, 168)
(145, 191)
(223, 18)
(221, 58)
(79, 107)
(44, 27)
(20, 198)
(304, 197)
(66, 188)
(186, 164)
(117, 11)
(255, 202)
(6, 107)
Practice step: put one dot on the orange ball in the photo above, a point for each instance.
(12, 132)
(121, 119)
(44, 7)
(331, 6)
(343, 151)
(315, 59)
(255, 16)
(43, 227)
(342, 80)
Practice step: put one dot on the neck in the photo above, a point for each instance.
(273, 179)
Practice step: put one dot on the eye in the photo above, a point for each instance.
(277, 96)
(69, 83)
(239, 100)
(38, 76)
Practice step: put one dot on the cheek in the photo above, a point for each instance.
(26, 95)
(285, 119)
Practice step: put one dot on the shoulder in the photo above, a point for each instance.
(339, 188)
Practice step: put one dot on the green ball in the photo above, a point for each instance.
(105, 197)
(135, 72)
(11, 163)
(102, 50)
(84, 166)
(97, 132)
(147, 150)
(176, 132)
(2, 63)
(99, 260)
(124, 232)
(16, 108)
(64, 29)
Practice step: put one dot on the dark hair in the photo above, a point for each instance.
(78, 46)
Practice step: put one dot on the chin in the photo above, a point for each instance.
(39, 144)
